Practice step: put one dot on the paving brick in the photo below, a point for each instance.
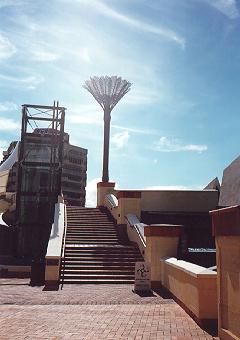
(90, 312)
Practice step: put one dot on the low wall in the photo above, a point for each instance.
(53, 256)
(194, 287)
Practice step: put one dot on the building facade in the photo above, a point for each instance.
(74, 170)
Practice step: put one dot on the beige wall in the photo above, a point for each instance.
(228, 263)
(179, 200)
(194, 286)
(126, 206)
(158, 247)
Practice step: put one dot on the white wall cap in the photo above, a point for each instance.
(190, 268)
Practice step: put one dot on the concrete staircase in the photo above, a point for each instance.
(94, 252)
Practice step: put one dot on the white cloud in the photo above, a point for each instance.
(227, 7)
(8, 106)
(83, 54)
(120, 139)
(7, 49)
(43, 55)
(165, 144)
(7, 124)
(140, 25)
(91, 192)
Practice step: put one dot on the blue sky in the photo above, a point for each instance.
(177, 127)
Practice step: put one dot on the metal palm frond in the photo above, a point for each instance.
(107, 90)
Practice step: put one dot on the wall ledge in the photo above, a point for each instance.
(128, 194)
(226, 221)
(190, 268)
(163, 230)
(106, 184)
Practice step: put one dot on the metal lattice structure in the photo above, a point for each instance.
(107, 91)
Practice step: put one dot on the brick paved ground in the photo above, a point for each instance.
(90, 312)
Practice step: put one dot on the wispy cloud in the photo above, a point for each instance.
(8, 106)
(227, 7)
(160, 31)
(7, 124)
(43, 55)
(174, 187)
(7, 3)
(7, 49)
(30, 81)
(119, 140)
(85, 114)
(135, 130)
(165, 144)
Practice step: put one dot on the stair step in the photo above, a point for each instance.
(83, 271)
(72, 257)
(98, 276)
(95, 266)
(97, 281)
(93, 252)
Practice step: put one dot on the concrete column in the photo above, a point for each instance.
(226, 229)
(104, 188)
(129, 202)
(161, 240)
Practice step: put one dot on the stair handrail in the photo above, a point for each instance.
(134, 223)
(111, 203)
(62, 266)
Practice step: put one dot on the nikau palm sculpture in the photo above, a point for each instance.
(107, 91)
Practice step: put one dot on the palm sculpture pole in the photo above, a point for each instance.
(107, 91)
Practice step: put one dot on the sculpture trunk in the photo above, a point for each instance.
(107, 118)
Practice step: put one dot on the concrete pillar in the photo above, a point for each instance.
(52, 272)
(226, 229)
(104, 188)
(161, 240)
(128, 202)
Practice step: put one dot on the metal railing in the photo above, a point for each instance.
(134, 223)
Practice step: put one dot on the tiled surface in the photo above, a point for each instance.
(90, 312)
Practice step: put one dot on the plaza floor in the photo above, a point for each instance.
(91, 312)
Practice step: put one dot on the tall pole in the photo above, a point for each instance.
(107, 119)
(107, 91)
